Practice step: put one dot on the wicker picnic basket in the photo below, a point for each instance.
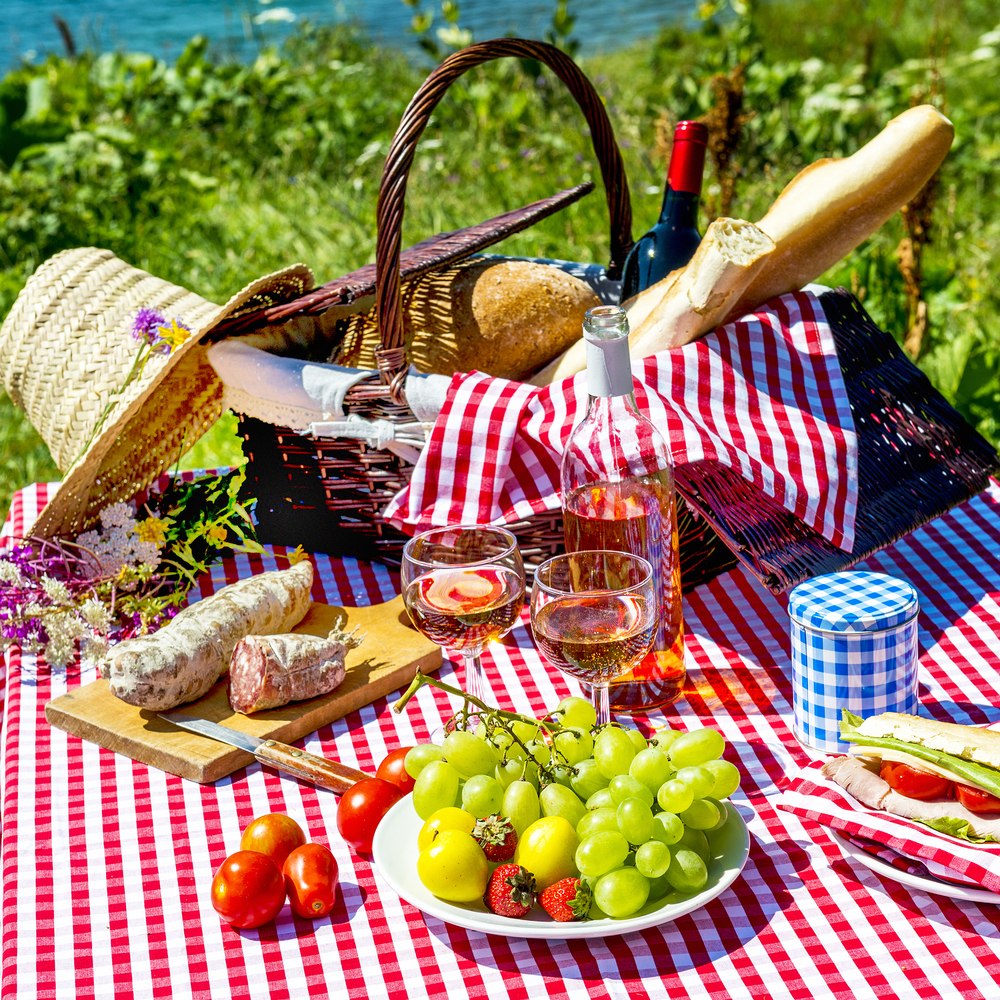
(918, 457)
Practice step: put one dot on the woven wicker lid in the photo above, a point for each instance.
(66, 349)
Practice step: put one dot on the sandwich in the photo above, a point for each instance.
(940, 774)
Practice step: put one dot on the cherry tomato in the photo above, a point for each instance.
(248, 889)
(392, 770)
(275, 835)
(976, 800)
(361, 810)
(311, 877)
(913, 782)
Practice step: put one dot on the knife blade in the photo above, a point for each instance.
(320, 771)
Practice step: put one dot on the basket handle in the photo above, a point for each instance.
(392, 191)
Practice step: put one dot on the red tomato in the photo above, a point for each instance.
(976, 800)
(275, 835)
(248, 889)
(392, 770)
(913, 782)
(311, 877)
(361, 809)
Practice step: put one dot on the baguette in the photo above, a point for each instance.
(688, 302)
(833, 205)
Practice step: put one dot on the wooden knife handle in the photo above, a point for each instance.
(316, 770)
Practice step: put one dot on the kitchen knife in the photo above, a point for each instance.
(316, 770)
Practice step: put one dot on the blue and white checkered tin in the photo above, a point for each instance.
(854, 646)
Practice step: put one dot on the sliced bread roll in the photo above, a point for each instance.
(688, 302)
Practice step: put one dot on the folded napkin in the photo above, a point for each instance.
(812, 796)
(904, 863)
(763, 395)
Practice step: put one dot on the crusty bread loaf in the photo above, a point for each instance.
(503, 317)
(688, 302)
(834, 205)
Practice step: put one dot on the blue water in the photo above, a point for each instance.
(237, 28)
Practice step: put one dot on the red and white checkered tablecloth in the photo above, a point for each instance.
(107, 863)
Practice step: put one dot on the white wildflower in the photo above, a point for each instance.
(92, 651)
(117, 514)
(64, 629)
(148, 553)
(95, 614)
(56, 590)
(118, 544)
(275, 14)
(10, 573)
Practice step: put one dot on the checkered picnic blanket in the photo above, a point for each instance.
(763, 395)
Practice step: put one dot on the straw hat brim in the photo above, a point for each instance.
(65, 352)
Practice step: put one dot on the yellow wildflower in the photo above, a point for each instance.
(153, 529)
(175, 334)
(217, 535)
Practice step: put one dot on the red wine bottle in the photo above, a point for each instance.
(671, 243)
(617, 487)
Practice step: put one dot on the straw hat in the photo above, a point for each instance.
(66, 350)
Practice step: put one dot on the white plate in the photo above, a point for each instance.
(395, 852)
(931, 885)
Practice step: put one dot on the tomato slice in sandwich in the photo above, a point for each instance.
(976, 800)
(913, 782)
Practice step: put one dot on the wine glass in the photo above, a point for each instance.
(594, 616)
(463, 588)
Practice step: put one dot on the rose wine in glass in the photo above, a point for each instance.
(594, 616)
(463, 588)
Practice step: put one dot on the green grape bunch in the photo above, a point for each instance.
(644, 813)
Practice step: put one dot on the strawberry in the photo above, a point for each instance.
(567, 899)
(497, 837)
(510, 891)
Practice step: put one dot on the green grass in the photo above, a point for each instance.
(212, 175)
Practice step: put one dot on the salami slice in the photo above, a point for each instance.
(268, 671)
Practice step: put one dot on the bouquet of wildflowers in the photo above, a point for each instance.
(133, 573)
(125, 578)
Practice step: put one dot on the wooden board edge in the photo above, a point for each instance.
(213, 770)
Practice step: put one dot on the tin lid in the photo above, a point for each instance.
(855, 601)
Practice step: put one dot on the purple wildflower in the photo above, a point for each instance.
(146, 326)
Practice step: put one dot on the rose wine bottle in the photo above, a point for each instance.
(618, 493)
(671, 243)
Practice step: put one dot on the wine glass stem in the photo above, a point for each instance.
(602, 703)
(475, 677)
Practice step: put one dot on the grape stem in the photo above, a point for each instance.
(421, 679)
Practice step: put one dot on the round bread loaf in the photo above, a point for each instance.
(504, 317)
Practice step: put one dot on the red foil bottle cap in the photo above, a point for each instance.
(687, 159)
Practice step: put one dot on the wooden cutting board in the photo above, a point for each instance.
(390, 655)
